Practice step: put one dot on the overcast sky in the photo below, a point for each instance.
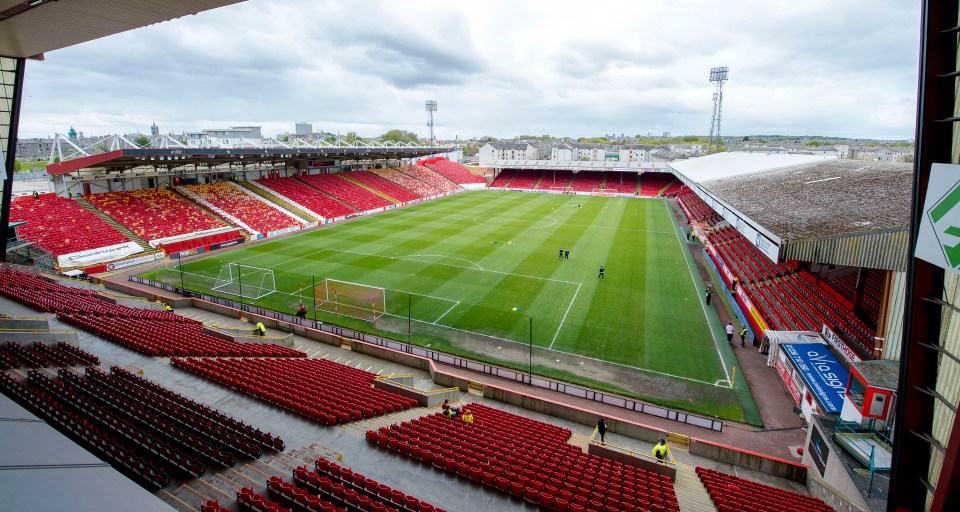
(586, 68)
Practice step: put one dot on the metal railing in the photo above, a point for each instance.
(459, 362)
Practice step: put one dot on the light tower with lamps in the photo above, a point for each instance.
(718, 76)
(431, 108)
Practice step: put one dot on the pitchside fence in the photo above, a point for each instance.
(537, 356)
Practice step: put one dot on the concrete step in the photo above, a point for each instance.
(692, 496)
(580, 440)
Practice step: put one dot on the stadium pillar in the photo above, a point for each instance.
(10, 138)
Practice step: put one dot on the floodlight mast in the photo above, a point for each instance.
(718, 76)
(431, 107)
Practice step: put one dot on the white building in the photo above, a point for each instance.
(493, 151)
(233, 137)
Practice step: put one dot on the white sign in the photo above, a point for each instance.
(99, 255)
(939, 239)
(134, 261)
(842, 347)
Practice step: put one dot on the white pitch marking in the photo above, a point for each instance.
(457, 303)
(564, 319)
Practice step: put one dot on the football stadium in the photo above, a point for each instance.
(312, 325)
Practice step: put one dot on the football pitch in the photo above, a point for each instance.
(483, 267)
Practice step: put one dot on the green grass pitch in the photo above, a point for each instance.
(466, 261)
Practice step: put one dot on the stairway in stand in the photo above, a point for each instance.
(119, 227)
(691, 494)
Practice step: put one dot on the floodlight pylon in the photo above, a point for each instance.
(431, 107)
(718, 76)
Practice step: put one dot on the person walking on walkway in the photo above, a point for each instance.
(260, 329)
(743, 336)
(660, 451)
(601, 429)
(729, 332)
(707, 294)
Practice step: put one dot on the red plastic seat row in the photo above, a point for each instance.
(346, 191)
(453, 171)
(731, 493)
(61, 226)
(154, 213)
(408, 182)
(382, 185)
(244, 205)
(428, 176)
(366, 490)
(306, 197)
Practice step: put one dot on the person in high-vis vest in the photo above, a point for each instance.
(467, 417)
(261, 330)
(660, 450)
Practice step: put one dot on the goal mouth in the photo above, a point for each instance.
(245, 281)
(354, 300)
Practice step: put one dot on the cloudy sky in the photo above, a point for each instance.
(846, 68)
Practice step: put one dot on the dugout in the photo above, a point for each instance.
(815, 379)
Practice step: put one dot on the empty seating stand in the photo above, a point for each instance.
(652, 183)
(408, 182)
(587, 181)
(154, 213)
(345, 191)
(307, 197)
(428, 176)
(525, 180)
(382, 185)
(14, 355)
(241, 204)
(454, 171)
(504, 178)
(734, 494)
(528, 459)
(555, 181)
(620, 183)
(61, 226)
(324, 391)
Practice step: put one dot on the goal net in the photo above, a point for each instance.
(351, 299)
(245, 281)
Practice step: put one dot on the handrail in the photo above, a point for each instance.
(632, 452)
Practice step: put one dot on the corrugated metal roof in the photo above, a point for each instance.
(876, 249)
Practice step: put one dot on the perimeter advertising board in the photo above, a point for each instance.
(826, 378)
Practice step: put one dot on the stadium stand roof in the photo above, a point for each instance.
(810, 208)
(29, 28)
(191, 160)
(580, 165)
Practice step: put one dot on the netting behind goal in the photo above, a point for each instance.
(351, 299)
(245, 281)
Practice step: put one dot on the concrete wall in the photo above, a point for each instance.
(175, 301)
(631, 460)
(133, 303)
(422, 398)
(286, 341)
(300, 330)
(737, 457)
(27, 337)
(841, 493)
(25, 323)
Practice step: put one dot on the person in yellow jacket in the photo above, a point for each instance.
(167, 307)
(261, 330)
(660, 450)
(467, 417)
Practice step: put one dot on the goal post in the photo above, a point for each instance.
(245, 281)
(355, 300)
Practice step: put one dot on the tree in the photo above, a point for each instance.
(746, 138)
(691, 138)
(142, 141)
(814, 143)
(286, 138)
(399, 136)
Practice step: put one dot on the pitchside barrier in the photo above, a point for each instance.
(440, 357)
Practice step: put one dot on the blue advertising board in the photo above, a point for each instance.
(826, 378)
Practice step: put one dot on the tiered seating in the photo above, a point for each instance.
(119, 451)
(382, 185)
(504, 178)
(341, 486)
(454, 171)
(674, 189)
(747, 262)
(408, 182)
(155, 333)
(587, 181)
(621, 183)
(350, 193)
(15, 355)
(323, 391)
(61, 226)
(696, 210)
(528, 459)
(558, 181)
(525, 179)
(427, 176)
(307, 197)
(872, 292)
(154, 213)
(733, 494)
(250, 500)
(241, 204)
(651, 183)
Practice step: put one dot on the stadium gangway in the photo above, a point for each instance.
(633, 453)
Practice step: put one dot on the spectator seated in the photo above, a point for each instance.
(382, 185)
(61, 226)
(154, 213)
(309, 198)
(345, 191)
(528, 459)
(323, 391)
(238, 202)
(730, 494)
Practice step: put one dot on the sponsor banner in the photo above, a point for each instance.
(221, 245)
(788, 380)
(819, 450)
(825, 376)
(99, 255)
(838, 343)
(283, 231)
(938, 240)
(311, 225)
(116, 265)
